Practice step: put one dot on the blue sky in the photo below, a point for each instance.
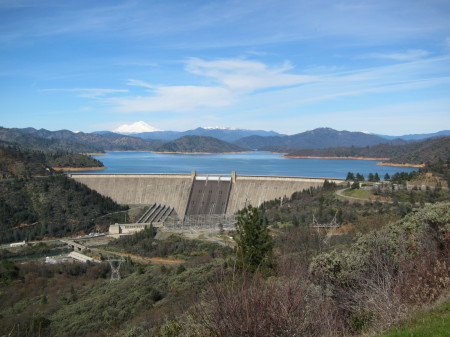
(290, 66)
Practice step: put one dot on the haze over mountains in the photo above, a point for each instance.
(147, 131)
(144, 130)
(211, 140)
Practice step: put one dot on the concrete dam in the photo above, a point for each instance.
(192, 194)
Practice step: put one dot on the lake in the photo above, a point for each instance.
(252, 163)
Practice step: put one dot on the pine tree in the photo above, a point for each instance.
(254, 244)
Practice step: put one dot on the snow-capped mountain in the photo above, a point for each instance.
(137, 127)
(218, 128)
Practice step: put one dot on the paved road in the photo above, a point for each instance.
(140, 258)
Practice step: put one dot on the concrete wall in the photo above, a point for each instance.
(254, 190)
(142, 189)
(174, 189)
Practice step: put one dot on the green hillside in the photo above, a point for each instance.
(199, 144)
(35, 201)
(30, 141)
(74, 160)
(79, 142)
(314, 139)
(420, 152)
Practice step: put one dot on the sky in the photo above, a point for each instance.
(289, 66)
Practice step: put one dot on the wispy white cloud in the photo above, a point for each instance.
(246, 76)
(89, 92)
(175, 99)
(231, 79)
(163, 21)
(409, 55)
(447, 43)
(236, 80)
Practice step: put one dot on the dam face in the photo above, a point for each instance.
(209, 195)
(190, 194)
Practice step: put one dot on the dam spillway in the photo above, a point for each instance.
(209, 195)
(192, 194)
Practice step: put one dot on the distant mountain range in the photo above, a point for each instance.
(257, 139)
(224, 134)
(146, 131)
(419, 136)
(314, 139)
(214, 140)
(68, 141)
(417, 152)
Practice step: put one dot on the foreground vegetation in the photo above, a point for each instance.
(145, 244)
(426, 323)
(310, 287)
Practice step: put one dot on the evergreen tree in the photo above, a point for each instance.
(359, 177)
(387, 176)
(254, 244)
(350, 176)
(376, 177)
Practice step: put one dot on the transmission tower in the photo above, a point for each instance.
(330, 226)
(115, 266)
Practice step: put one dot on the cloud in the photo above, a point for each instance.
(447, 43)
(89, 92)
(409, 55)
(244, 85)
(246, 76)
(175, 99)
(231, 80)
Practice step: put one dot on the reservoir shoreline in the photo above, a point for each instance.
(359, 158)
(79, 168)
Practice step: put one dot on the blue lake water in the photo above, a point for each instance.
(253, 163)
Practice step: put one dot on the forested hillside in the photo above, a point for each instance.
(199, 144)
(429, 150)
(20, 163)
(27, 140)
(35, 201)
(73, 160)
(76, 141)
(315, 139)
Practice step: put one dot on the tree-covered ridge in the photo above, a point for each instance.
(20, 163)
(429, 150)
(198, 144)
(51, 206)
(314, 139)
(78, 142)
(35, 201)
(30, 141)
(74, 160)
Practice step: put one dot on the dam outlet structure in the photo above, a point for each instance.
(196, 198)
